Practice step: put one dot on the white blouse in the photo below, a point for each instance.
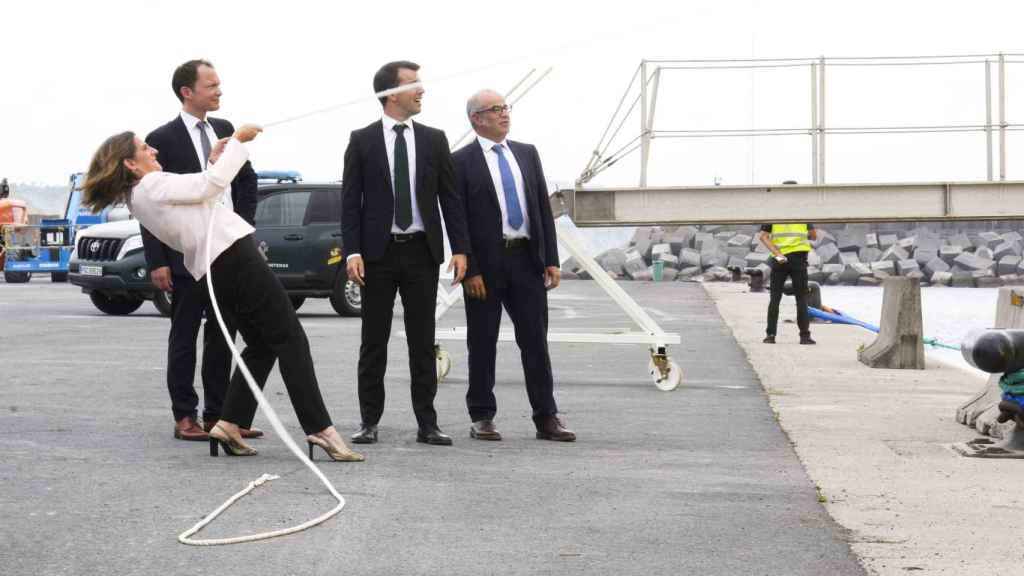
(177, 208)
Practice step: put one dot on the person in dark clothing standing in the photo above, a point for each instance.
(789, 245)
(396, 173)
(183, 147)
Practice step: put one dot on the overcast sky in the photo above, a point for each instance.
(75, 72)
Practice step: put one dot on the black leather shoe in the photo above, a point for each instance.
(484, 430)
(434, 437)
(552, 429)
(807, 340)
(366, 435)
(769, 340)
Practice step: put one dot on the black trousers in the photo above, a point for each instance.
(796, 269)
(409, 269)
(522, 292)
(189, 301)
(258, 306)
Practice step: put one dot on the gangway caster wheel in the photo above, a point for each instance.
(664, 371)
(444, 362)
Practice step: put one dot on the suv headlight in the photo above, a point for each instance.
(131, 244)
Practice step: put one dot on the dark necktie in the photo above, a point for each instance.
(508, 184)
(204, 141)
(403, 199)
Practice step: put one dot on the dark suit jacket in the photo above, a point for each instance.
(176, 154)
(483, 213)
(368, 201)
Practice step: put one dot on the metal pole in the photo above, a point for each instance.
(821, 121)
(654, 98)
(988, 119)
(1002, 117)
(645, 135)
(814, 123)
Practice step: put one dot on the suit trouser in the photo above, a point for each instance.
(259, 307)
(795, 268)
(409, 269)
(524, 296)
(189, 300)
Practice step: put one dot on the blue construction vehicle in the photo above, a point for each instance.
(46, 247)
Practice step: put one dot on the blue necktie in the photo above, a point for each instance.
(508, 184)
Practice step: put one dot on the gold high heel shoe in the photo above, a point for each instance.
(343, 455)
(231, 447)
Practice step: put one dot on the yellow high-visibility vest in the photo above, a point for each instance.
(789, 238)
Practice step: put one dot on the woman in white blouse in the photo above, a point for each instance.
(177, 209)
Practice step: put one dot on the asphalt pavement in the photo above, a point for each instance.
(700, 480)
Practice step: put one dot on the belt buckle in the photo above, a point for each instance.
(512, 242)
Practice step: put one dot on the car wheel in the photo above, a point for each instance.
(162, 302)
(17, 277)
(59, 277)
(346, 298)
(297, 301)
(115, 305)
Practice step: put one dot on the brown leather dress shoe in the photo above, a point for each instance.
(248, 433)
(484, 430)
(553, 429)
(187, 429)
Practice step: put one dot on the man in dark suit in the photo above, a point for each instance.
(396, 173)
(183, 147)
(514, 262)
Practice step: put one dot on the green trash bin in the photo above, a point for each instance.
(659, 270)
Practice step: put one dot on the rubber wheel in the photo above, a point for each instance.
(669, 382)
(16, 277)
(297, 301)
(346, 298)
(59, 277)
(115, 305)
(162, 303)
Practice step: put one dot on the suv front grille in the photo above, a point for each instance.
(98, 249)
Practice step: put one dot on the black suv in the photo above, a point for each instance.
(298, 230)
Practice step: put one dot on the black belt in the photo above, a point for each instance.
(403, 238)
(516, 242)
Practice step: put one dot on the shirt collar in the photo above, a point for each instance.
(487, 144)
(190, 120)
(389, 123)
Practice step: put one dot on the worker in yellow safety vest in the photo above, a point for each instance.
(789, 245)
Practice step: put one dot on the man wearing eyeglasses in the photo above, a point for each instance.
(396, 174)
(513, 262)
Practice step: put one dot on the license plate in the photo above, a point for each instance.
(91, 270)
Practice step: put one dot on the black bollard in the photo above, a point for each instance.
(756, 279)
(994, 351)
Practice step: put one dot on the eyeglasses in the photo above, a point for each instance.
(497, 109)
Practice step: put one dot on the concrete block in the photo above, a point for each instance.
(917, 274)
(741, 240)
(868, 281)
(766, 271)
(1012, 280)
(895, 254)
(969, 261)
(886, 240)
(830, 269)
(869, 254)
(988, 282)
(940, 278)
(960, 239)
(713, 259)
(1006, 249)
(669, 274)
(634, 265)
(737, 251)
(612, 260)
(907, 243)
(861, 268)
(689, 273)
(949, 253)
(754, 258)
(887, 266)
(985, 253)
(984, 273)
(815, 274)
(717, 274)
(735, 262)
(1012, 237)
(710, 245)
(849, 241)
(569, 275)
(829, 253)
(871, 240)
(936, 265)
(988, 240)
(724, 236)
(689, 257)
(1008, 265)
(904, 267)
(670, 260)
(700, 239)
(847, 258)
(570, 265)
(927, 241)
(962, 279)
(925, 256)
(900, 342)
(849, 276)
(833, 280)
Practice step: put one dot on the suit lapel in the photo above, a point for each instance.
(181, 131)
(522, 159)
(484, 173)
(380, 151)
(421, 162)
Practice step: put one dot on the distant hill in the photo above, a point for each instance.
(42, 199)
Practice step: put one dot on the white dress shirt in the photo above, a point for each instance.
(177, 208)
(492, 164)
(390, 136)
(191, 124)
